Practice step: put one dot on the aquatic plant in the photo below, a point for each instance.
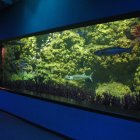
(22, 76)
(111, 93)
(114, 89)
(135, 31)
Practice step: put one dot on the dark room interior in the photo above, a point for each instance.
(69, 69)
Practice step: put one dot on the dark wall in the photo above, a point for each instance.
(30, 16)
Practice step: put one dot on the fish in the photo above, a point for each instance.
(15, 43)
(79, 77)
(22, 65)
(113, 51)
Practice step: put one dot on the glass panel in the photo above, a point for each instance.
(97, 64)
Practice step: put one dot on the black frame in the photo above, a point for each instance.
(78, 25)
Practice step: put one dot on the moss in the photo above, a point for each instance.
(22, 76)
(113, 89)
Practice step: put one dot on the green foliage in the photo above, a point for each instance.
(22, 76)
(113, 89)
(61, 56)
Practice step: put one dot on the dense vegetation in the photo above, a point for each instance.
(46, 60)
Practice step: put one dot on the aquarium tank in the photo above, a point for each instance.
(96, 64)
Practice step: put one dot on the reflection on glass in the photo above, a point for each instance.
(94, 64)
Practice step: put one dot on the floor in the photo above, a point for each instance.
(12, 128)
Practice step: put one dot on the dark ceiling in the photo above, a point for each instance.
(6, 3)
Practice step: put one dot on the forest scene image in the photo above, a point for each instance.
(93, 64)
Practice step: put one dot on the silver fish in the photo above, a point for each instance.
(14, 42)
(79, 77)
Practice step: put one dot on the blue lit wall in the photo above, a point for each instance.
(29, 16)
(75, 123)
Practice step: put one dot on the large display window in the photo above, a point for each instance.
(96, 64)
